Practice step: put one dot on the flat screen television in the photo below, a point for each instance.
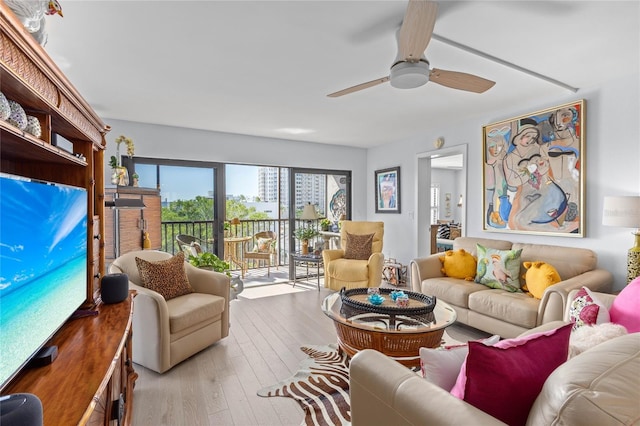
(43, 265)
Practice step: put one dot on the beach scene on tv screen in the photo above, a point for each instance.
(43, 265)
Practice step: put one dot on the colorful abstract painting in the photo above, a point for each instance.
(533, 175)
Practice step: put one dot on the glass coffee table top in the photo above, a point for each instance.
(441, 317)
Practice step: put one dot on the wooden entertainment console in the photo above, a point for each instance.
(92, 379)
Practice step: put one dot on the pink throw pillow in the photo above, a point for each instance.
(586, 309)
(625, 309)
(504, 380)
(441, 366)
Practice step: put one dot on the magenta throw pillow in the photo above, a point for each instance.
(625, 309)
(504, 380)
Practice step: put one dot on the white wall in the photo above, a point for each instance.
(612, 168)
(178, 143)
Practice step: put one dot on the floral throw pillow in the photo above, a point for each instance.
(263, 245)
(166, 277)
(586, 309)
(498, 268)
(358, 247)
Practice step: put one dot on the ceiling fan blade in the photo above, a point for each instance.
(416, 30)
(359, 87)
(460, 80)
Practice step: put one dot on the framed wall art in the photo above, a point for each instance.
(533, 172)
(387, 185)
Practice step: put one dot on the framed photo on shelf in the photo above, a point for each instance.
(387, 187)
(533, 173)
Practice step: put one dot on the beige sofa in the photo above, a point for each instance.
(600, 386)
(166, 333)
(501, 312)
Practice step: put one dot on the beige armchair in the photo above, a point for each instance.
(166, 332)
(351, 273)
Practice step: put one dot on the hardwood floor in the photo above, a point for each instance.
(218, 386)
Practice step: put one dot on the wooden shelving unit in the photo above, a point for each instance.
(94, 368)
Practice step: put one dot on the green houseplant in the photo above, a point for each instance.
(325, 224)
(210, 261)
(304, 235)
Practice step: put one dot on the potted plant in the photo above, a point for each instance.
(206, 260)
(325, 224)
(210, 261)
(304, 235)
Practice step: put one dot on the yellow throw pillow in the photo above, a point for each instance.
(539, 276)
(459, 264)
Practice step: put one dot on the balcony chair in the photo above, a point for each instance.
(355, 264)
(264, 249)
(192, 245)
(168, 331)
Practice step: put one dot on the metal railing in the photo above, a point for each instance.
(205, 231)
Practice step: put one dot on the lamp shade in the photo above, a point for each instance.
(622, 211)
(309, 212)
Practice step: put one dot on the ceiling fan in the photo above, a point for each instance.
(411, 68)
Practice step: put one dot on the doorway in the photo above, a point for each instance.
(448, 168)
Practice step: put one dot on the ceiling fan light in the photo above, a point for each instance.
(409, 75)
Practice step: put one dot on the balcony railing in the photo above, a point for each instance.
(205, 231)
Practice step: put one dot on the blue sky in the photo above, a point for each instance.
(186, 183)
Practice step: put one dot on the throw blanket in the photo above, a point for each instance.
(320, 386)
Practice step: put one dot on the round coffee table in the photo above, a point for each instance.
(395, 335)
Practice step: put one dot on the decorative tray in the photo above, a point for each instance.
(419, 304)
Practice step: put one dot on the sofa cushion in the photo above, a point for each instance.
(166, 277)
(470, 244)
(348, 269)
(514, 308)
(452, 290)
(568, 261)
(498, 268)
(193, 309)
(539, 276)
(504, 380)
(586, 309)
(458, 264)
(441, 366)
(624, 310)
(358, 246)
(600, 386)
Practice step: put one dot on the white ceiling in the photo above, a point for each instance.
(257, 67)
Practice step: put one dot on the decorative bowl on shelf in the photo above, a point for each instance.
(17, 117)
(33, 126)
(5, 108)
(375, 299)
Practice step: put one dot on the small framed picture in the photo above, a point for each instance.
(387, 187)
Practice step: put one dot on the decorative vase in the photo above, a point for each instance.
(304, 246)
(123, 176)
(135, 182)
(505, 207)
(114, 176)
(18, 117)
(33, 126)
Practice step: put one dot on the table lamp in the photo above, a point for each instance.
(235, 221)
(624, 211)
(309, 213)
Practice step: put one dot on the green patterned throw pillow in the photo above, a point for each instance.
(498, 268)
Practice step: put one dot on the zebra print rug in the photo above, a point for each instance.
(320, 386)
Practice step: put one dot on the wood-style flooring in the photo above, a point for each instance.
(218, 386)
